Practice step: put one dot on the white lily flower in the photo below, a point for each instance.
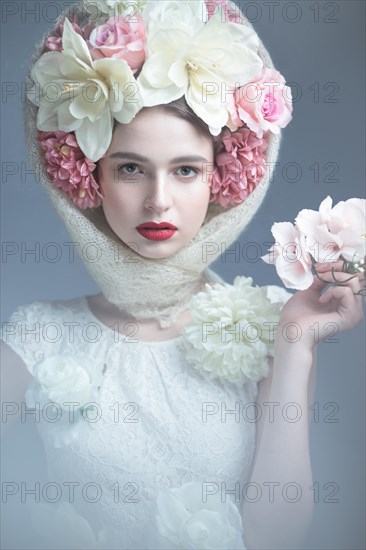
(80, 95)
(172, 14)
(202, 66)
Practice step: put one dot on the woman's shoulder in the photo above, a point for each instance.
(41, 327)
(43, 308)
(40, 313)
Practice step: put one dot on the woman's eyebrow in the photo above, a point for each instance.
(189, 158)
(141, 158)
(132, 156)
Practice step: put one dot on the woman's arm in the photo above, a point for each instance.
(281, 466)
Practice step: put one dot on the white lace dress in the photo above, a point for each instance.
(160, 423)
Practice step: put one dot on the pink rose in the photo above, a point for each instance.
(263, 104)
(334, 232)
(69, 169)
(121, 38)
(239, 167)
(293, 263)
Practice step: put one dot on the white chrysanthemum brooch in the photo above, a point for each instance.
(233, 329)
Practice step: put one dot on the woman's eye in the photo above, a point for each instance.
(187, 171)
(129, 169)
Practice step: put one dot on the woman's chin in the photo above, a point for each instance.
(154, 250)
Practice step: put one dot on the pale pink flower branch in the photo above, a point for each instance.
(324, 236)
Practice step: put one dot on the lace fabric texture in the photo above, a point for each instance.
(160, 422)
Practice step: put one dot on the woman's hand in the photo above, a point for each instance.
(316, 316)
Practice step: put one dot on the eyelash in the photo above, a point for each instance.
(121, 168)
(194, 170)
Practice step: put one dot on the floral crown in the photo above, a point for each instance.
(145, 53)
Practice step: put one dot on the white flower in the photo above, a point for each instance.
(65, 378)
(128, 8)
(289, 254)
(323, 235)
(201, 65)
(62, 527)
(334, 232)
(76, 94)
(172, 14)
(232, 331)
(182, 520)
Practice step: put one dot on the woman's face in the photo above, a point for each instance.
(156, 170)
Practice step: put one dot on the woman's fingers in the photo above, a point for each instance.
(349, 306)
(349, 279)
(347, 293)
(337, 268)
(328, 266)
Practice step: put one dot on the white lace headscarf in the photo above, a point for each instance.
(144, 287)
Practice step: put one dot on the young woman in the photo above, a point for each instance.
(155, 152)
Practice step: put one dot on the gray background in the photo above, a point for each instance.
(327, 54)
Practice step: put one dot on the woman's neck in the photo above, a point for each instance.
(148, 330)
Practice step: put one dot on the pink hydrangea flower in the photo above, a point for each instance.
(232, 12)
(121, 38)
(54, 42)
(239, 167)
(264, 104)
(69, 169)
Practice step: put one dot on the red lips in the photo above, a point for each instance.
(154, 225)
(156, 231)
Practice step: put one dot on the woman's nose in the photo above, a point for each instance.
(158, 196)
